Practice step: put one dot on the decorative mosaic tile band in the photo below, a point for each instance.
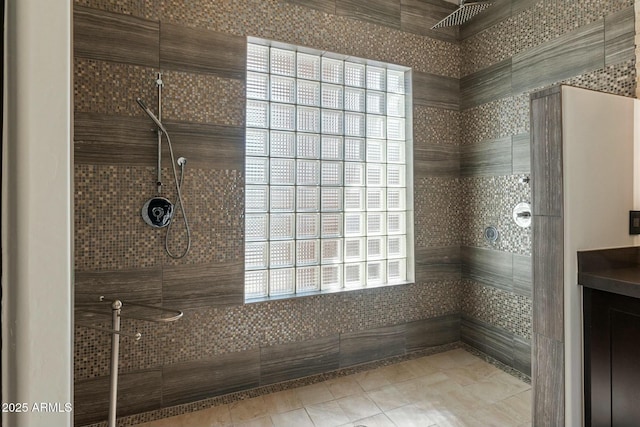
(618, 79)
(112, 88)
(490, 201)
(203, 333)
(111, 235)
(437, 212)
(147, 9)
(495, 119)
(545, 21)
(435, 126)
(500, 308)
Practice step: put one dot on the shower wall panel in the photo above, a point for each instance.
(520, 46)
(222, 345)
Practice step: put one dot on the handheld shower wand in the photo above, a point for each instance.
(151, 115)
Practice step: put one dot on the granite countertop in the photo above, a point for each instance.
(611, 270)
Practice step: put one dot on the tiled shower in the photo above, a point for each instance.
(471, 153)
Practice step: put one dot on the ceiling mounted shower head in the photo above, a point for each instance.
(463, 13)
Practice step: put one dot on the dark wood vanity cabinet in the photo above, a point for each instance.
(612, 359)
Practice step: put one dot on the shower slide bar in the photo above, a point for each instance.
(116, 315)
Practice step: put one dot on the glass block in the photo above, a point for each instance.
(308, 199)
(354, 199)
(396, 199)
(282, 226)
(376, 78)
(376, 127)
(308, 119)
(283, 89)
(256, 198)
(332, 70)
(396, 128)
(376, 247)
(308, 93)
(256, 284)
(376, 223)
(307, 279)
(257, 86)
(308, 146)
(331, 199)
(375, 102)
(376, 175)
(376, 151)
(396, 152)
(395, 105)
(332, 97)
(281, 254)
(376, 199)
(283, 144)
(308, 66)
(258, 58)
(307, 252)
(354, 275)
(331, 277)
(308, 172)
(331, 225)
(354, 149)
(282, 281)
(283, 171)
(257, 142)
(395, 81)
(354, 99)
(256, 227)
(332, 148)
(396, 223)
(257, 114)
(396, 175)
(354, 224)
(283, 116)
(257, 170)
(354, 124)
(307, 226)
(354, 249)
(331, 173)
(332, 122)
(396, 246)
(283, 62)
(331, 251)
(354, 174)
(376, 274)
(354, 74)
(397, 270)
(256, 255)
(282, 199)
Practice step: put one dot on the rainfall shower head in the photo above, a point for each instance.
(463, 13)
(151, 115)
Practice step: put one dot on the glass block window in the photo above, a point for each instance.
(327, 179)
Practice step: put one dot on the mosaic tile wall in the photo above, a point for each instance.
(490, 199)
(544, 21)
(111, 187)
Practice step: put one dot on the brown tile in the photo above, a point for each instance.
(206, 146)
(140, 285)
(114, 37)
(202, 51)
(430, 90)
(382, 12)
(295, 360)
(437, 263)
(432, 332)
(374, 344)
(418, 16)
(191, 381)
(137, 392)
(191, 286)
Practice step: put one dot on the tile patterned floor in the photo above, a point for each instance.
(451, 389)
